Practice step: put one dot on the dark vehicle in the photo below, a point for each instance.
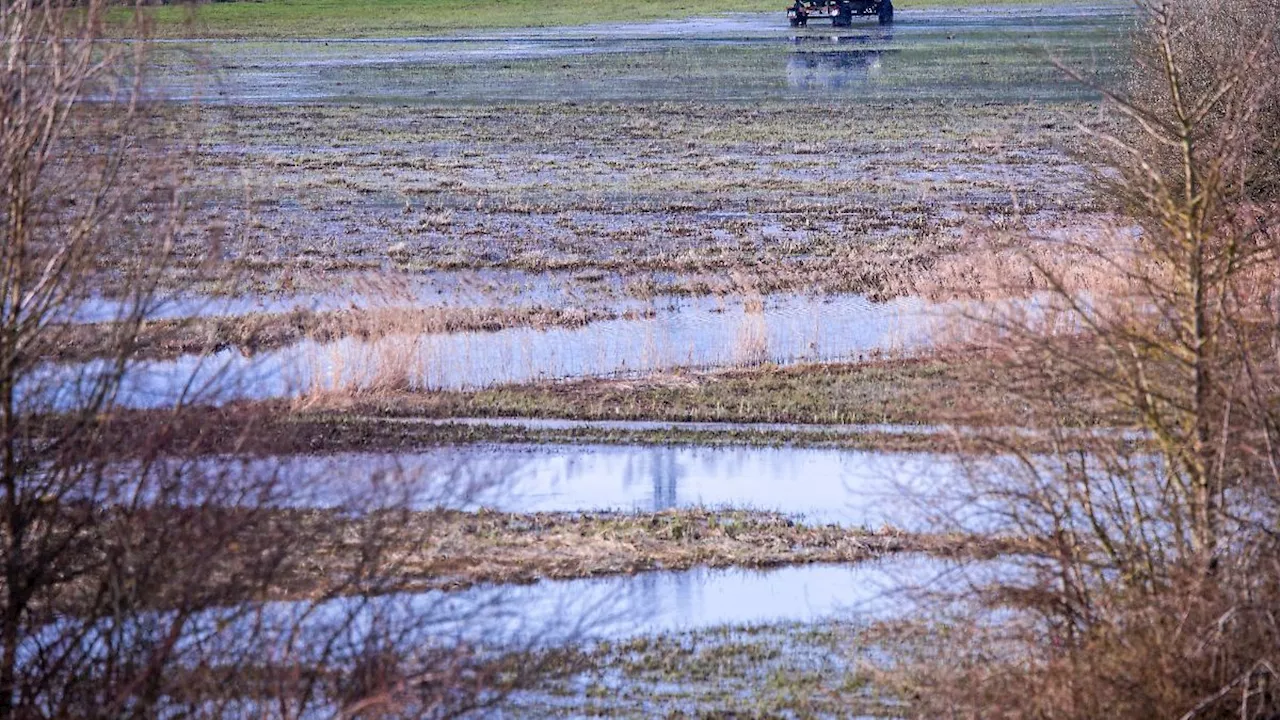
(839, 12)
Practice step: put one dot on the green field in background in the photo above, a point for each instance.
(382, 18)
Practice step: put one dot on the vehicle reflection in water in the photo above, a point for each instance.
(837, 61)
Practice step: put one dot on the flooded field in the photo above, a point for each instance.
(726, 156)
(633, 209)
(966, 54)
(686, 265)
(628, 615)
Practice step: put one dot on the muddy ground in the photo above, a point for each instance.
(650, 200)
(719, 157)
(778, 670)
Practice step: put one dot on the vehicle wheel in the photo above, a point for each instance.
(886, 12)
(795, 22)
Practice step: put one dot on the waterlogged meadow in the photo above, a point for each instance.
(608, 364)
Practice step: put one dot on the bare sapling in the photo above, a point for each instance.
(146, 581)
(1148, 494)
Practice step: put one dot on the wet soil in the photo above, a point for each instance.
(642, 200)
(723, 156)
(773, 669)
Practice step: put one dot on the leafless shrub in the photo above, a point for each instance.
(997, 265)
(1210, 39)
(1149, 585)
(168, 585)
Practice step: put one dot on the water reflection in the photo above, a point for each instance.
(837, 61)
(835, 69)
(820, 485)
(666, 475)
(620, 606)
(693, 332)
(850, 487)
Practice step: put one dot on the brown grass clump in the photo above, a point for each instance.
(453, 550)
(997, 266)
(251, 334)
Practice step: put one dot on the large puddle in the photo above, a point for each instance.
(817, 485)
(555, 612)
(696, 333)
(693, 599)
(680, 333)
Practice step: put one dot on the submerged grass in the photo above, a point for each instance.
(775, 670)
(646, 194)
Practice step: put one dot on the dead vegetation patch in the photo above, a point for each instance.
(250, 334)
(452, 550)
(914, 390)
